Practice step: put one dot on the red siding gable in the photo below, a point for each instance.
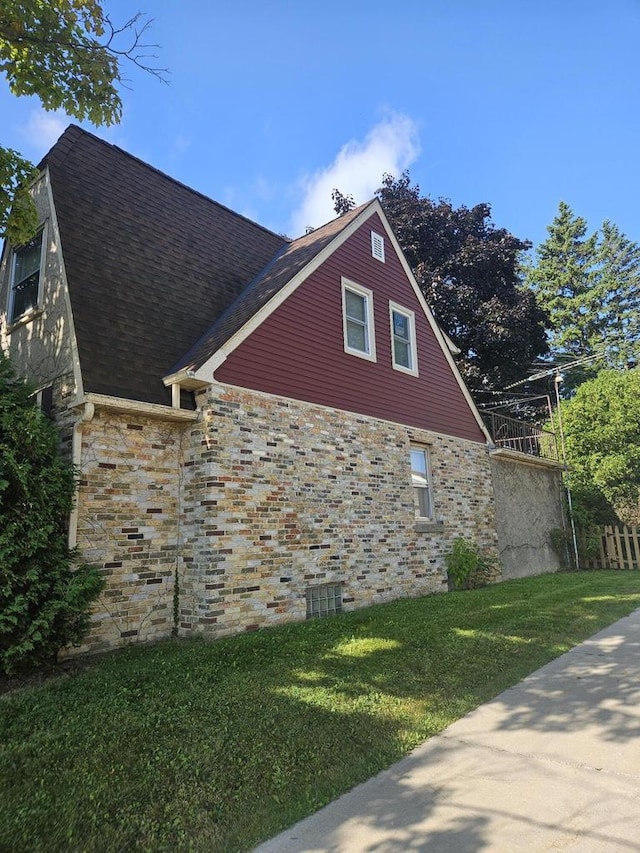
(298, 351)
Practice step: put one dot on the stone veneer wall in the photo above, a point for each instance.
(279, 495)
(255, 502)
(128, 523)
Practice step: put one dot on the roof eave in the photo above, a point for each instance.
(186, 379)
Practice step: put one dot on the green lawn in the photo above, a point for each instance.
(188, 745)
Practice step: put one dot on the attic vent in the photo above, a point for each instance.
(377, 246)
(324, 600)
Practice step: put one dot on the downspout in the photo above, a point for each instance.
(88, 412)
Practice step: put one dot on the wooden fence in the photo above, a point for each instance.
(610, 548)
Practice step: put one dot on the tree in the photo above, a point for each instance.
(589, 285)
(468, 271)
(601, 425)
(70, 55)
(44, 601)
(619, 270)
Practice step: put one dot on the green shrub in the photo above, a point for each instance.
(467, 568)
(44, 602)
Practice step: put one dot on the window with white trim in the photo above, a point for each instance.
(357, 320)
(421, 481)
(377, 246)
(25, 278)
(403, 339)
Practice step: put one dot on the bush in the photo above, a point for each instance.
(467, 568)
(44, 602)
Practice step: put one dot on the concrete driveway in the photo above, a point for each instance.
(551, 764)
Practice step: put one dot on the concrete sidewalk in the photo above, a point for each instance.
(551, 764)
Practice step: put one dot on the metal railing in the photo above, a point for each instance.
(521, 436)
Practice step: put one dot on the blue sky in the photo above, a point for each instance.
(272, 103)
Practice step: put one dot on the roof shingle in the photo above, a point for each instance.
(291, 259)
(151, 264)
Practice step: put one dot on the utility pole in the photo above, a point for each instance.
(556, 382)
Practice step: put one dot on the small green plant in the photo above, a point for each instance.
(467, 567)
(560, 543)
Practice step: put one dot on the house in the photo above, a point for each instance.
(266, 429)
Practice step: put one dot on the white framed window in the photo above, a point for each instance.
(26, 264)
(357, 320)
(404, 353)
(377, 246)
(421, 481)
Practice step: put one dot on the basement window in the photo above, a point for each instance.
(324, 600)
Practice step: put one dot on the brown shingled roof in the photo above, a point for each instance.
(151, 264)
(291, 259)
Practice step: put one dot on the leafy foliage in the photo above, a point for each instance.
(467, 567)
(342, 203)
(469, 273)
(44, 603)
(69, 55)
(53, 50)
(589, 285)
(15, 175)
(601, 424)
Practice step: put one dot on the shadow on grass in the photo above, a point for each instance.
(196, 746)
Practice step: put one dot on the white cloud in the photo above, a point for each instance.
(42, 129)
(390, 146)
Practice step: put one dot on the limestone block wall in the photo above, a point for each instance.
(528, 507)
(280, 495)
(128, 523)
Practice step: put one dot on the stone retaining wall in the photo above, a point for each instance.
(528, 508)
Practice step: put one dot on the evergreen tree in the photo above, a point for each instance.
(566, 286)
(44, 601)
(589, 285)
(619, 273)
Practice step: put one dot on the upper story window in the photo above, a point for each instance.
(357, 320)
(25, 278)
(421, 480)
(377, 246)
(403, 339)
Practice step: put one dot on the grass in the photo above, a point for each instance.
(188, 745)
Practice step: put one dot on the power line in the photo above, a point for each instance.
(566, 366)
